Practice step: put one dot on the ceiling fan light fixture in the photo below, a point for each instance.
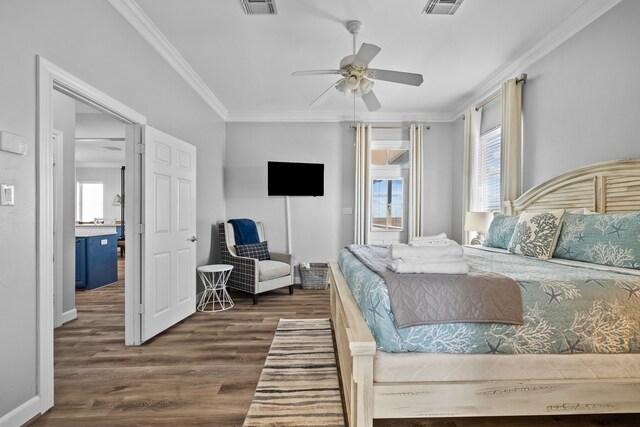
(366, 86)
(352, 81)
(342, 87)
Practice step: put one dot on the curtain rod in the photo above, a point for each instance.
(428, 127)
(522, 78)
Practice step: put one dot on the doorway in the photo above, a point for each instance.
(160, 218)
(89, 164)
(52, 79)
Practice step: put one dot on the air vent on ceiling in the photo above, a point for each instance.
(259, 7)
(442, 7)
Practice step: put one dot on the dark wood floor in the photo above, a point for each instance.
(202, 371)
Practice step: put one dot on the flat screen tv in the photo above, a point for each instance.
(295, 179)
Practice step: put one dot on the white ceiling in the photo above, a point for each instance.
(99, 138)
(246, 60)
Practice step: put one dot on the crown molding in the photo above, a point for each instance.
(139, 20)
(327, 117)
(584, 15)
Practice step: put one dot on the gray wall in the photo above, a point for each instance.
(458, 173)
(580, 102)
(64, 120)
(91, 40)
(318, 227)
(439, 170)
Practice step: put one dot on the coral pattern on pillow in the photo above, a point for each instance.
(536, 234)
(500, 231)
(607, 239)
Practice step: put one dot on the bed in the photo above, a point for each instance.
(570, 379)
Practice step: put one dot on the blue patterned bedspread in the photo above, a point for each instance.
(566, 310)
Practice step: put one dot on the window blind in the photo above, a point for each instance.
(489, 171)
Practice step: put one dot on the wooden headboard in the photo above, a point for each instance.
(607, 187)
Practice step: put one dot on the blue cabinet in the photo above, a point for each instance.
(96, 261)
(81, 262)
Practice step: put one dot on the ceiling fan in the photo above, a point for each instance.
(357, 78)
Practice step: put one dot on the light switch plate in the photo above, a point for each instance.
(7, 195)
(13, 143)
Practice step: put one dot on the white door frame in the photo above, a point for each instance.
(57, 139)
(51, 77)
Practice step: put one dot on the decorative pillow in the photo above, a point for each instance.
(500, 231)
(536, 234)
(260, 251)
(607, 239)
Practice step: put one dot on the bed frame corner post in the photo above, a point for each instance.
(363, 376)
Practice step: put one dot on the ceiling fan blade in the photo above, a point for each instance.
(397, 77)
(366, 53)
(324, 95)
(314, 72)
(371, 101)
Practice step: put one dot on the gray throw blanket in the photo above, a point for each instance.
(419, 299)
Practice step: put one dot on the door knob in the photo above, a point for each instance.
(193, 239)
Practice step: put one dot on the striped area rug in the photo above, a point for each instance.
(299, 382)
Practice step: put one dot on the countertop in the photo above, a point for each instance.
(92, 230)
(94, 233)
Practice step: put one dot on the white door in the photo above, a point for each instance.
(169, 248)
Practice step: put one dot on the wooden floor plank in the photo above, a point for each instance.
(201, 372)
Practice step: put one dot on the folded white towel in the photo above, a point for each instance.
(436, 240)
(400, 250)
(400, 266)
(432, 260)
(434, 237)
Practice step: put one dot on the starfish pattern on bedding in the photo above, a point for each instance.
(553, 295)
(595, 281)
(374, 310)
(632, 291)
(572, 347)
(494, 349)
(580, 237)
(521, 284)
(617, 229)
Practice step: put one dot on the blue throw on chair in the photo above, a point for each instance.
(245, 231)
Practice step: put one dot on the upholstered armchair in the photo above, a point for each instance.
(250, 275)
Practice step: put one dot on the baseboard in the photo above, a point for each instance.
(22, 413)
(68, 316)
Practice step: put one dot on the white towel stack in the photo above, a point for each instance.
(428, 254)
(435, 240)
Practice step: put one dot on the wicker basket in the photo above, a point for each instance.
(316, 276)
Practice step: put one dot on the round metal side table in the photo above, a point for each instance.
(215, 277)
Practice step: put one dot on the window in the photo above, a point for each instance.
(486, 172)
(387, 205)
(89, 201)
(390, 157)
(389, 169)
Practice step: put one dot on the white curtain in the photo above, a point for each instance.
(511, 157)
(472, 120)
(361, 211)
(415, 182)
